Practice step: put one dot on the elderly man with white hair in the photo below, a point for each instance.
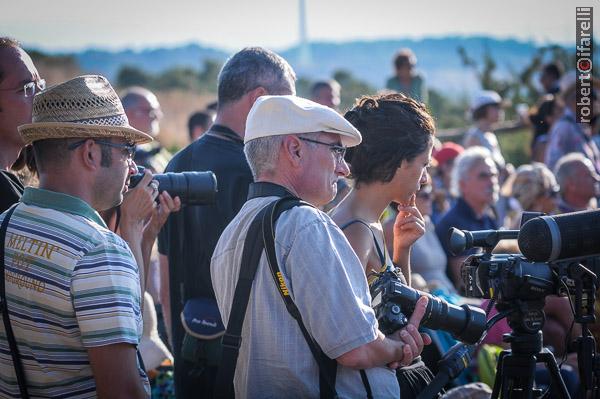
(295, 149)
(474, 182)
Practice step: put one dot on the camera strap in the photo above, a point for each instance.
(263, 227)
(10, 336)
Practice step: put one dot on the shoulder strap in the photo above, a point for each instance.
(10, 336)
(232, 338)
(380, 253)
(327, 366)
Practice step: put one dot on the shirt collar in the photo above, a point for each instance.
(60, 202)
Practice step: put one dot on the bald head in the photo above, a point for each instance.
(142, 109)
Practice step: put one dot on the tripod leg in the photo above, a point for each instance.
(517, 378)
(557, 384)
(498, 379)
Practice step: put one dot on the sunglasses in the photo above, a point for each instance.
(129, 149)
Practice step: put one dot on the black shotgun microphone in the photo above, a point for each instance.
(570, 235)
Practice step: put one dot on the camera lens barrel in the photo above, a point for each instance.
(193, 188)
(465, 323)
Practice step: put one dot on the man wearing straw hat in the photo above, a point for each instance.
(73, 286)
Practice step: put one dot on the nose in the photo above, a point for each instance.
(342, 168)
(132, 167)
(424, 178)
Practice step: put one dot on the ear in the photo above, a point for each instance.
(89, 155)
(254, 94)
(293, 150)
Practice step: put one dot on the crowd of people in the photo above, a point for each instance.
(116, 290)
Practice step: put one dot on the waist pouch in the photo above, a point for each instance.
(203, 331)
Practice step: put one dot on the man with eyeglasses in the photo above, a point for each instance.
(474, 182)
(295, 148)
(73, 287)
(19, 82)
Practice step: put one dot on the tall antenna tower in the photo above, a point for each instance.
(305, 56)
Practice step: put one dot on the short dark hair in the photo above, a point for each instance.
(481, 112)
(323, 84)
(403, 57)
(395, 128)
(555, 69)
(203, 119)
(250, 68)
(56, 152)
(538, 115)
(6, 42)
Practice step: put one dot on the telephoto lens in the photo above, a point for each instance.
(394, 302)
(192, 188)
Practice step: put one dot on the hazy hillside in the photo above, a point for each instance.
(438, 59)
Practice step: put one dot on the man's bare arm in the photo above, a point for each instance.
(116, 372)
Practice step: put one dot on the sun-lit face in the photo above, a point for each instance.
(410, 176)
(322, 168)
(15, 107)
(112, 179)
(480, 186)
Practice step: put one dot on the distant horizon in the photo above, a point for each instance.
(150, 46)
(66, 25)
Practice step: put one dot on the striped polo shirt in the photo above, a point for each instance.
(71, 284)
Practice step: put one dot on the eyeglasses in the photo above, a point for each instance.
(29, 89)
(154, 113)
(129, 148)
(337, 150)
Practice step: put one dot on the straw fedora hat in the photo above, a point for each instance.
(86, 107)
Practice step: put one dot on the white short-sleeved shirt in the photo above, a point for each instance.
(327, 284)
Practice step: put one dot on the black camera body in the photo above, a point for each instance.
(192, 188)
(394, 302)
(506, 277)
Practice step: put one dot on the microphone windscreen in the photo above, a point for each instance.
(570, 235)
(535, 240)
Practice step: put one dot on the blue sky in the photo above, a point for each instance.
(232, 24)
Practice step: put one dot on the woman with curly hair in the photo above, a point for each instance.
(388, 166)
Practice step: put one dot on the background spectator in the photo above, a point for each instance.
(406, 79)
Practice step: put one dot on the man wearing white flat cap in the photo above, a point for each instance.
(73, 286)
(295, 148)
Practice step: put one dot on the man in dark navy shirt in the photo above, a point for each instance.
(189, 237)
(475, 182)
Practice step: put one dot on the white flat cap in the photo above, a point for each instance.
(485, 97)
(279, 115)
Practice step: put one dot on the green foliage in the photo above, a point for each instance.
(515, 146)
(204, 80)
(132, 76)
(447, 113)
(352, 88)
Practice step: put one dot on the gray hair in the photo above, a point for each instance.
(463, 163)
(263, 153)
(254, 67)
(567, 165)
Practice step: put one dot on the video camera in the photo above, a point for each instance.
(513, 279)
(192, 188)
(561, 256)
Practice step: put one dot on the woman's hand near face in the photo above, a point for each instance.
(409, 225)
